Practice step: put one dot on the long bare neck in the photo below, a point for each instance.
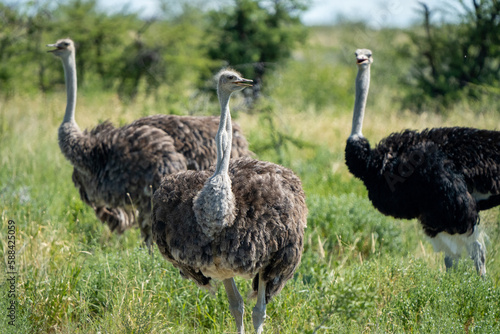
(214, 205)
(362, 87)
(69, 65)
(224, 135)
(73, 143)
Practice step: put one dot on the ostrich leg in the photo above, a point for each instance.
(478, 255)
(259, 311)
(236, 305)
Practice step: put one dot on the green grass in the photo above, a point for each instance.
(361, 272)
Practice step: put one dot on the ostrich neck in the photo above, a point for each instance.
(224, 135)
(73, 143)
(362, 87)
(214, 205)
(70, 78)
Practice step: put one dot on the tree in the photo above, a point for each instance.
(456, 60)
(140, 60)
(13, 29)
(168, 53)
(255, 34)
(99, 37)
(21, 42)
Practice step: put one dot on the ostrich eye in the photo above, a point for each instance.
(66, 44)
(231, 77)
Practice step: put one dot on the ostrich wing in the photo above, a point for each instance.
(127, 165)
(194, 137)
(476, 155)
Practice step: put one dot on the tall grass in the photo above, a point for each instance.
(361, 271)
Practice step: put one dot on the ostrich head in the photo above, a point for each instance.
(231, 81)
(363, 58)
(63, 47)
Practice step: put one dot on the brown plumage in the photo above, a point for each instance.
(116, 170)
(194, 138)
(270, 215)
(247, 219)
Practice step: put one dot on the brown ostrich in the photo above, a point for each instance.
(242, 218)
(116, 170)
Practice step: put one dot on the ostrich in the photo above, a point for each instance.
(442, 176)
(247, 220)
(116, 170)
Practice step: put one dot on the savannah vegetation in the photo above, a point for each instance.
(361, 272)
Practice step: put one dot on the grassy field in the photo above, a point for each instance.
(361, 272)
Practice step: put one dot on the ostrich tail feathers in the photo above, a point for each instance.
(117, 219)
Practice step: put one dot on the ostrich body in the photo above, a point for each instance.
(194, 137)
(242, 218)
(116, 170)
(441, 176)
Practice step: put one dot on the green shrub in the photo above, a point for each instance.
(455, 61)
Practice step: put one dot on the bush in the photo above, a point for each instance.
(455, 61)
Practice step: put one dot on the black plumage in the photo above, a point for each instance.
(436, 175)
(441, 176)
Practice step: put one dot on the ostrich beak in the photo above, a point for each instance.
(361, 60)
(56, 46)
(244, 83)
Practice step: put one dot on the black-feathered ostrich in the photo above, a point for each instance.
(442, 176)
(247, 219)
(116, 170)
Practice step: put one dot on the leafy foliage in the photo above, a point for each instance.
(255, 34)
(456, 60)
(130, 55)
